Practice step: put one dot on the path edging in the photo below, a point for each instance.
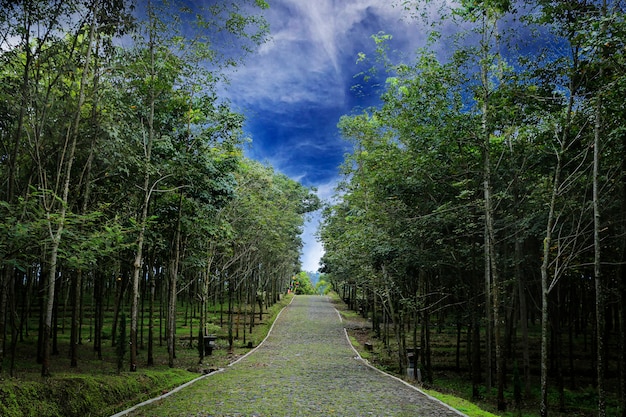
(266, 336)
(167, 394)
(366, 363)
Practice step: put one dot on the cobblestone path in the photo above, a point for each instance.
(306, 367)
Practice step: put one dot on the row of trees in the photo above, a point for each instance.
(122, 170)
(490, 187)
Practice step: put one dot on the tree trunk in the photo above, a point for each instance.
(137, 263)
(5, 279)
(171, 328)
(120, 290)
(59, 223)
(523, 312)
(395, 321)
(545, 289)
(622, 324)
(12, 297)
(230, 316)
(98, 313)
(77, 283)
(41, 302)
(151, 278)
(49, 307)
(427, 371)
(622, 287)
(600, 304)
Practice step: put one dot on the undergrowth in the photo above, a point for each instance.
(455, 389)
(96, 389)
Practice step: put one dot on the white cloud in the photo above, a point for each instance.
(313, 250)
(301, 79)
(311, 40)
(326, 191)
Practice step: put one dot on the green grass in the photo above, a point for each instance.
(460, 404)
(455, 388)
(94, 387)
(85, 395)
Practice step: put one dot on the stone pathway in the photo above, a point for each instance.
(306, 367)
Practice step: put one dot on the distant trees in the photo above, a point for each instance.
(488, 189)
(124, 187)
(302, 284)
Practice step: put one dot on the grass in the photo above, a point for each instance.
(95, 388)
(460, 404)
(84, 395)
(454, 388)
(98, 390)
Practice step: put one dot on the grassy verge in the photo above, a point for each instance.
(85, 395)
(96, 389)
(460, 404)
(359, 328)
(454, 388)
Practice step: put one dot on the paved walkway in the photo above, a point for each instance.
(306, 367)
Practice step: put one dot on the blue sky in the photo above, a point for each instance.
(296, 87)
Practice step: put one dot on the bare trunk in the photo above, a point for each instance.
(622, 288)
(597, 272)
(49, 308)
(151, 277)
(488, 315)
(523, 317)
(137, 263)
(59, 223)
(425, 359)
(171, 328)
(137, 268)
(545, 289)
(5, 279)
(77, 284)
(395, 321)
(488, 242)
(98, 313)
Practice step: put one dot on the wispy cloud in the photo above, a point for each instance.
(294, 90)
(305, 61)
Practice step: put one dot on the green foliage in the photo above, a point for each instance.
(301, 284)
(323, 288)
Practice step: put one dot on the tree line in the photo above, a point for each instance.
(124, 184)
(488, 190)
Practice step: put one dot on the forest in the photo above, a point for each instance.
(125, 189)
(486, 198)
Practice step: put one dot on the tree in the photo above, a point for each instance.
(171, 60)
(520, 132)
(78, 135)
(302, 284)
